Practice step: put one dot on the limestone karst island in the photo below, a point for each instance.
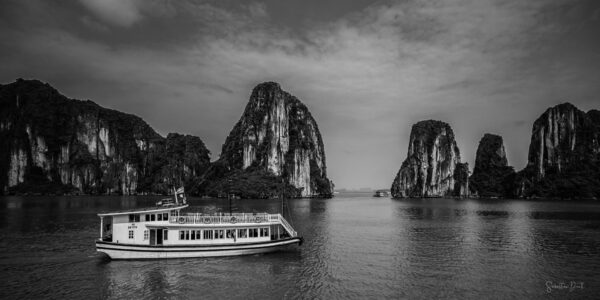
(55, 145)
(563, 161)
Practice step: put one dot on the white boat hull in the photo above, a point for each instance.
(130, 251)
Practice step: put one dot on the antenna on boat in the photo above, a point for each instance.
(175, 195)
(282, 195)
(229, 195)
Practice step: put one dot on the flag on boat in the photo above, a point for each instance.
(180, 195)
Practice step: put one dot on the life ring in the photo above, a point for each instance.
(233, 220)
(181, 220)
(257, 220)
(206, 220)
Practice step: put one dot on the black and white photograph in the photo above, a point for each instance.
(284, 149)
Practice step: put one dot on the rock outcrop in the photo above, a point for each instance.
(429, 169)
(491, 173)
(461, 181)
(277, 140)
(564, 155)
(52, 144)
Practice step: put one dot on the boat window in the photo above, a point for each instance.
(131, 234)
(181, 234)
(165, 216)
(230, 233)
(165, 234)
(152, 217)
(159, 217)
(242, 233)
(208, 234)
(146, 233)
(198, 234)
(264, 232)
(219, 234)
(147, 218)
(187, 234)
(253, 232)
(134, 218)
(193, 237)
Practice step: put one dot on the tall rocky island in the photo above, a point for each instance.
(276, 145)
(564, 155)
(492, 177)
(432, 167)
(52, 144)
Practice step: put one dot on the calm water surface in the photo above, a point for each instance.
(355, 247)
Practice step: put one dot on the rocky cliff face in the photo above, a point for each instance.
(53, 144)
(461, 181)
(561, 136)
(277, 135)
(429, 168)
(491, 168)
(563, 155)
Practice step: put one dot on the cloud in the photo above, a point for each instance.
(483, 66)
(257, 10)
(122, 13)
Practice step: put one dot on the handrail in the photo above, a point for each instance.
(287, 226)
(196, 218)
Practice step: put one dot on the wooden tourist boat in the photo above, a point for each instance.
(164, 231)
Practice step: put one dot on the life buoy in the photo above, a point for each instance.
(233, 220)
(206, 220)
(181, 220)
(258, 220)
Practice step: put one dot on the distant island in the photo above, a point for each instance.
(563, 161)
(55, 145)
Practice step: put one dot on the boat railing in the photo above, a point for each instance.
(222, 219)
(287, 226)
(233, 219)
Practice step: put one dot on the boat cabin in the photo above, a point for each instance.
(169, 226)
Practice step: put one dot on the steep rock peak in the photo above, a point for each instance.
(266, 87)
(558, 133)
(491, 168)
(429, 168)
(277, 133)
(564, 155)
(490, 152)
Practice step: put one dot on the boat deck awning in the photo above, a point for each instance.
(155, 209)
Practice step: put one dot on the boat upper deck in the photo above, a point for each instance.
(238, 219)
(154, 209)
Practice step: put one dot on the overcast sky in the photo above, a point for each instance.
(367, 70)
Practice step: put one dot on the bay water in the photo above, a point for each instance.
(355, 246)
